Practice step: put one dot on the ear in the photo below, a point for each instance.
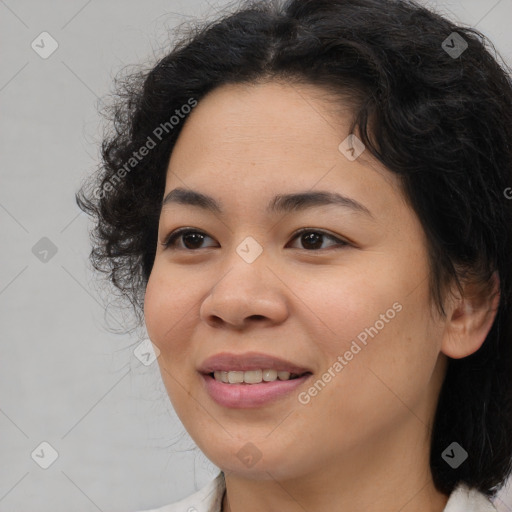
(470, 318)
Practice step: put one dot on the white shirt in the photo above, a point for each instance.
(209, 499)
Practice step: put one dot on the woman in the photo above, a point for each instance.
(309, 203)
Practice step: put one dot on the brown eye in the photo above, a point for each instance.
(313, 239)
(191, 239)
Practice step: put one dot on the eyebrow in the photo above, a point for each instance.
(281, 203)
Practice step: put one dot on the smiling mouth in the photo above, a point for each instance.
(252, 377)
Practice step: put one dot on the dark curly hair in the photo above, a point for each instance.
(441, 121)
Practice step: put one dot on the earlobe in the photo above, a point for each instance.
(470, 319)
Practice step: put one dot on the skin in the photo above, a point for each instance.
(364, 439)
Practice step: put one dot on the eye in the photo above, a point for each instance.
(189, 236)
(193, 237)
(312, 238)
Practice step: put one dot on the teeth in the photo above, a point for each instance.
(270, 375)
(251, 376)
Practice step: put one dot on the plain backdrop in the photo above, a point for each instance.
(85, 424)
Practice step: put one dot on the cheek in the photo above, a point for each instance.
(378, 383)
(397, 363)
(167, 316)
(160, 315)
(167, 307)
(377, 323)
(345, 306)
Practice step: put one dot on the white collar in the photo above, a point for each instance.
(466, 499)
(209, 499)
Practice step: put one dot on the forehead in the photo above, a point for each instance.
(247, 139)
(269, 112)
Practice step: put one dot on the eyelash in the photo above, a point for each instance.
(169, 242)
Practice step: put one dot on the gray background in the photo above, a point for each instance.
(64, 378)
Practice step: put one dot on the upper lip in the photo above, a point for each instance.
(226, 361)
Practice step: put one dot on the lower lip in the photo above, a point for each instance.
(248, 396)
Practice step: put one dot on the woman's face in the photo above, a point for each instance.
(347, 300)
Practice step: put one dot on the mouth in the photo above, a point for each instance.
(250, 379)
(247, 362)
(244, 395)
(253, 377)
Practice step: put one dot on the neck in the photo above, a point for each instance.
(427, 499)
(390, 476)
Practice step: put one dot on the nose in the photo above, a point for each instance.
(248, 293)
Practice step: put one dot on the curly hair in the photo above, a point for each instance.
(441, 121)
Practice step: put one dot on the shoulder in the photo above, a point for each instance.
(466, 499)
(207, 499)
